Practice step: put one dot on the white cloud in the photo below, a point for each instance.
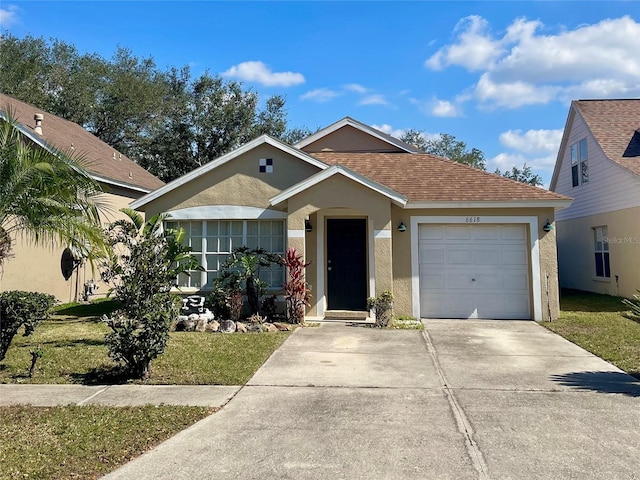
(474, 50)
(524, 67)
(261, 73)
(389, 130)
(9, 16)
(399, 132)
(442, 108)
(541, 165)
(320, 95)
(532, 141)
(375, 99)
(357, 88)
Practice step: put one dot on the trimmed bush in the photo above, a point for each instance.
(21, 309)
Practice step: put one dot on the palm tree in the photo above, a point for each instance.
(46, 194)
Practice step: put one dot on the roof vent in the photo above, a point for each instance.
(38, 117)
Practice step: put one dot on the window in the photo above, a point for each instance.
(579, 163)
(212, 241)
(601, 248)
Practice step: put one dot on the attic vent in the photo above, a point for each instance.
(130, 175)
(266, 165)
(114, 155)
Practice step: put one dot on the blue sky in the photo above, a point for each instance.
(498, 75)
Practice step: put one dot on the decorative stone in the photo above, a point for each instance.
(227, 326)
(201, 325)
(282, 326)
(269, 327)
(188, 325)
(213, 326)
(241, 327)
(194, 317)
(254, 328)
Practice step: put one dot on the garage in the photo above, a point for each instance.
(473, 271)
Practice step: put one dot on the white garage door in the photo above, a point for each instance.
(474, 271)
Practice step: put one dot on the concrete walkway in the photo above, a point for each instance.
(116, 395)
(463, 400)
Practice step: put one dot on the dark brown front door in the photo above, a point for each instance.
(347, 264)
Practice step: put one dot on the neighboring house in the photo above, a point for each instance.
(38, 268)
(372, 214)
(599, 166)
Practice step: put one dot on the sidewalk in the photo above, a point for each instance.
(116, 395)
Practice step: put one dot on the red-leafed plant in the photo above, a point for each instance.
(296, 289)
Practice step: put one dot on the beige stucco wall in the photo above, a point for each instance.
(237, 182)
(37, 268)
(349, 139)
(328, 200)
(402, 285)
(576, 257)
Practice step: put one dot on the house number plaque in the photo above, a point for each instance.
(472, 220)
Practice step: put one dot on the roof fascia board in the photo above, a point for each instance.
(178, 182)
(115, 183)
(556, 203)
(394, 196)
(348, 121)
(563, 145)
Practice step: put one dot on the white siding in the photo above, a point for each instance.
(610, 186)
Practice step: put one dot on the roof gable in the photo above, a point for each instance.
(394, 196)
(105, 164)
(380, 141)
(204, 169)
(615, 124)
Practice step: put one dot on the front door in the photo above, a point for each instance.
(347, 264)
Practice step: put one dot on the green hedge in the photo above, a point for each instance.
(21, 309)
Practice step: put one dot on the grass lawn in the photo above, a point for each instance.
(597, 324)
(89, 441)
(83, 442)
(74, 352)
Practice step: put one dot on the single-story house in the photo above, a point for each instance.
(598, 165)
(371, 213)
(38, 268)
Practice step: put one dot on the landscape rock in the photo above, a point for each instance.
(201, 325)
(241, 327)
(269, 327)
(283, 327)
(213, 326)
(254, 328)
(227, 326)
(207, 316)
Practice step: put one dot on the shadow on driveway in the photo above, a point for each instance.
(604, 382)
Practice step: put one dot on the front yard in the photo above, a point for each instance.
(89, 441)
(598, 324)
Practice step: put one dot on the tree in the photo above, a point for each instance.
(167, 121)
(447, 146)
(49, 196)
(142, 268)
(524, 175)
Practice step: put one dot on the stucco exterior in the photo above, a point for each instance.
(307, 193)
(38, 266)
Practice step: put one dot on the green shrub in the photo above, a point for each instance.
(143, 274)
(381, 306)
(21, 309)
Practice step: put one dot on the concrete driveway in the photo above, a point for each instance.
(462, 400)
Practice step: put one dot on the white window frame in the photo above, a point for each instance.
(205, 249)
(579, 156)
(600, 236)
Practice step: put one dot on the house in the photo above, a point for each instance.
(371, 214)
(598, 165)
(39, 267)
